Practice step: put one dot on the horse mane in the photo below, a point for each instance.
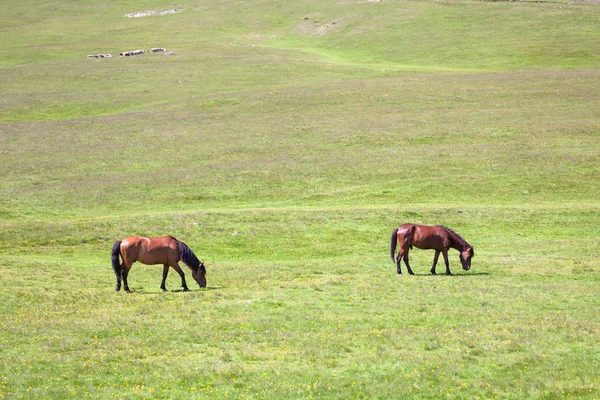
(457, 238)
(188, 257)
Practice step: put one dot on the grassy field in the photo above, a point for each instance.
(283, 143)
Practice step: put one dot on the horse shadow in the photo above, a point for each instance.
(159, 292)
(453, 275)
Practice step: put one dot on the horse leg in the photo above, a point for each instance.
(180, 272)
(399, 262)
(445, 254)
(164, 279)
(410, 271)
(435, 260)
(125, 273)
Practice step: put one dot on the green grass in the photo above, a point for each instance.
(283, 143)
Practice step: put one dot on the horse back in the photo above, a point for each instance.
(424, 237)
(150, 250)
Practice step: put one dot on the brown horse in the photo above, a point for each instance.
(165, 250)
(438, 238)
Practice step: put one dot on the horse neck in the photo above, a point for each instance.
(457, 242)
(188, 257)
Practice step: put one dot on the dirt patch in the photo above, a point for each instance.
(317, 28)
(153, 13)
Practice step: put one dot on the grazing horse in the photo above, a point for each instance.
(438, 238)
(165, 250)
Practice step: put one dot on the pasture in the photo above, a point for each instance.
(284, 142)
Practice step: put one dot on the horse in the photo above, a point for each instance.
(438, 238)
(164, 250)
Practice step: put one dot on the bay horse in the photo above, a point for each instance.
(438, 238)
(165, 250)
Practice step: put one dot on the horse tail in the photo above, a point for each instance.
(116, 251)
(188, 257)
(393, 243)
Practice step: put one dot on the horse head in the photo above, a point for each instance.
(465, 257)
(199, 275)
